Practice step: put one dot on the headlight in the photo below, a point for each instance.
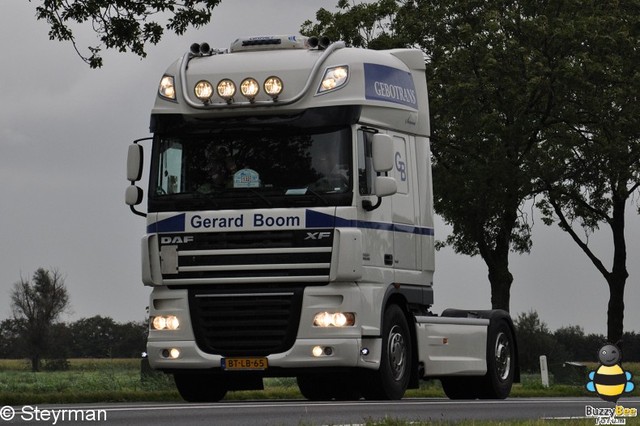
(165, 322)
(167, 88)
(273, 86)
(337, 319)
(249, 88)
(334, 78)
(226, 89)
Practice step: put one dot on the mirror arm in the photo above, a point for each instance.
(133, 209)
(368, 206)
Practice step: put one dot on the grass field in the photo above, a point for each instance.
(119, 380)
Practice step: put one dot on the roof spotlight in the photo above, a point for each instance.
(195, 48)
(273, 87)
(205, 49)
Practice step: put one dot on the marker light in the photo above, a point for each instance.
(226, 89)
(167, 88)
(165, 322)
(249, 88)
(334, 78)
(273, 86)
(338, 319)
(203, 91)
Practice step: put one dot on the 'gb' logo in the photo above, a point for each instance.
(401, 167)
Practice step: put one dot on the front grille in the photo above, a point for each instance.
(248, 257)
(245, 322)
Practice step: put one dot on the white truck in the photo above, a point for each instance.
(290, 228)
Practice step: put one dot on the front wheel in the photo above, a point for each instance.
(392, 378)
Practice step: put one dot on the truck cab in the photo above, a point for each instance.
(289, 227)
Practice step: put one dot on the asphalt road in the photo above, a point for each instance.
(306, 413)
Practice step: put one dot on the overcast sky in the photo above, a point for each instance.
(64, 132)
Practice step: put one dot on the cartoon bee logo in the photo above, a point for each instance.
(610, 381)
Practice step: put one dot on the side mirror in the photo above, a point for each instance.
(382, 152)
(133, 195)
(385, 186)
(134, 163)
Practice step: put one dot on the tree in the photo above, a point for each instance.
(124, 25)
(591, 167)
(36, 307)
(489, 86)
(93, 337)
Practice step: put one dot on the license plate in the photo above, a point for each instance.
(244, 363)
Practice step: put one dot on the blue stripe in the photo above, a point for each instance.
(321, 220)
(171, 224)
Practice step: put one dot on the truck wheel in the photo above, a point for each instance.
(200, 388)
(392, 378)
(500, 362)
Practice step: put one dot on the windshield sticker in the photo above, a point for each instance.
(389, 84)
(246, 178)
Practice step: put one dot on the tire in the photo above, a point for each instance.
(200, 388)
(391, 380)
(325, 387)
(501, 362)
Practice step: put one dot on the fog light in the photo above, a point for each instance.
(317, 351)
(172, 353)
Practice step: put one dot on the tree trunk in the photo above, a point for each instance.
(501, 280)
(35, 363)
(619, 274)
(615, 310)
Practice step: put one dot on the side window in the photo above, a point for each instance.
(170, 170)
(365, 163)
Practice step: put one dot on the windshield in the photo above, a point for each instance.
(242, 169)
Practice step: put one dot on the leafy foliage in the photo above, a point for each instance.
(590, 163)
(123, 25)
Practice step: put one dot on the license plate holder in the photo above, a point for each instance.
(244, 363)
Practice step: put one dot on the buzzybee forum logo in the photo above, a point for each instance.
(609, 381)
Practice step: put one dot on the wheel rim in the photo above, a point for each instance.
(503, 356)
(397, 353)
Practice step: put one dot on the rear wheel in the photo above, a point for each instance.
(200, 388)
(392, 378)
(500, 362)
(497, 382)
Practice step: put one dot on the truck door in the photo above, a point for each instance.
(405, 239)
